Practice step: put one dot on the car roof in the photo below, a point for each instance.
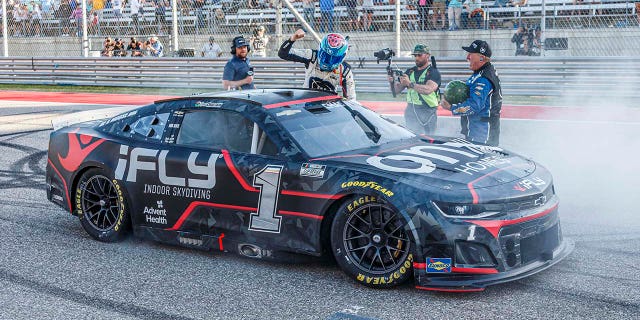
(268, 98)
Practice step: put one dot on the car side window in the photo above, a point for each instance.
(222, 129)
(149, 127)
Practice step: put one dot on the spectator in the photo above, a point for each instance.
(325, 68)
(156, 49)
(475, 14)
(638, 12)
(161, 18)
(136, 10)
(94, 22)
(117, 10)
(98, 8)
(199, 6)
(119, 49)
(326, 15)
(63, 13)
(309, 9)
(238, 72)
(422, 82)
(77, 16)
(439, 7)
(135, 47)
(211, 49)
(352, 14)
(480, 113)
(521, 39)
(367, 15)
(423, 13)
(455, 9)
(535, 48)
(107, 49)
(46, 8)
(36, 18)
(259, 42)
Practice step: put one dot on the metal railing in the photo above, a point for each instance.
(520, 76)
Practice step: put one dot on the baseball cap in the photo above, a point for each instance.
(479, 46)
(240, 42)
(420, 49)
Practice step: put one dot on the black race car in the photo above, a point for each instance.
(273, 173)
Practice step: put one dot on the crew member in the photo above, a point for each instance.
(325, 68)
(422, 82)
(480, 113)
(238, 72)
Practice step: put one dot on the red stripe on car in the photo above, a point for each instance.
(494, 226)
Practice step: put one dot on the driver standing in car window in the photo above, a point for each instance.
(325, 68)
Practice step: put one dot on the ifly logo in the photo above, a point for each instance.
(143, 159)
(438, 265)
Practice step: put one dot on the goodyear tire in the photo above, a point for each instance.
(370, 244)
(101, 206)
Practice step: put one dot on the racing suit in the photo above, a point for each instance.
(339, 81)
(480, 113)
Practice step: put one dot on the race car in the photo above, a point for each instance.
(274, 174)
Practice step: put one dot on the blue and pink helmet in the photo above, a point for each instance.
(333, 49)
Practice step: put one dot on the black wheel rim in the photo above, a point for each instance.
(100, 203)
(375, 239)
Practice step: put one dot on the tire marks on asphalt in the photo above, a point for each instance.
(121, 307)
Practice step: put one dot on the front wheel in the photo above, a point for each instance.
(101, 206)
(369, 241)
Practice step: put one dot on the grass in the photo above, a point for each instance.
(364, 96)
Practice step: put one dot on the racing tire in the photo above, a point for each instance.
(101, 206)
(370, 243)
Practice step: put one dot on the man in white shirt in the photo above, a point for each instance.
(211, 49)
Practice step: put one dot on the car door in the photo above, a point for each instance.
(242, 203)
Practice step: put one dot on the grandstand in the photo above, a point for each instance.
(570, 27)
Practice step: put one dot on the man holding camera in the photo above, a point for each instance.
(422, 83)
(238, 72)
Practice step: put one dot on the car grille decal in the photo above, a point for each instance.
(494, 226)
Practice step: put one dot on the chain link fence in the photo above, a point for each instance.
(531, 28)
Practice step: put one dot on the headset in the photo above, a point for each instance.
(481, 59)
(233, 45)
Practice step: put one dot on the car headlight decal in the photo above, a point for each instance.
(465, 210)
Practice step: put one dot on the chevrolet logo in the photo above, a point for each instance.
(540, 201)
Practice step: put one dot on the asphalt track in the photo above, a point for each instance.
(51, 269)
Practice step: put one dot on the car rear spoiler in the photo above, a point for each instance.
(89, 115)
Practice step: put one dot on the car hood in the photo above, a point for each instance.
(449, 164)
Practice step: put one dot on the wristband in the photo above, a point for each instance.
(411, 85)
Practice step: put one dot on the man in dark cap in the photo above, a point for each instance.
(480, 113)
(211, 50)
(422, 82)
(238, 72)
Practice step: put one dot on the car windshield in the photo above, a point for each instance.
(324, 128)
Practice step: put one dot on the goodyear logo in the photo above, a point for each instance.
(438, 265)
(368, 185)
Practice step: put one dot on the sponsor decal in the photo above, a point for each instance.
(312, 170)
(367, 185)
(406, 266)
(208, 104)
(461, 109)
(421, 156)
(183, 192)
(540, 201)
(57, 197)
(143, 159)
(121, 116)
(360, 201)
(438, 265)
(287, 112)
(527, 184)
(156, 215)
(79, 149)
(121, 208)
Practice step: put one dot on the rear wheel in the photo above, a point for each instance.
(101, 206)
(370, 244)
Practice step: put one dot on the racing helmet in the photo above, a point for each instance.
(333, 49)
